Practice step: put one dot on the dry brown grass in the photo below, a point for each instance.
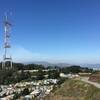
(75, 90)
(95, 77)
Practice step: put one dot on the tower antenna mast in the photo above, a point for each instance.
(7, 59)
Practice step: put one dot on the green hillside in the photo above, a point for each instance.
(75, 90)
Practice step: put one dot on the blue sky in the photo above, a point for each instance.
(53, 30)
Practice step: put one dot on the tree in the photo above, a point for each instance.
(25, 92)
(71, 69)
(40, 75)
(16, 96)
(53, 74)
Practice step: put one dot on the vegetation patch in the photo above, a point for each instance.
(75, 90)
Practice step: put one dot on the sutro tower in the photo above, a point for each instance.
(7, 59)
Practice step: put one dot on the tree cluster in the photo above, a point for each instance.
(22, 72)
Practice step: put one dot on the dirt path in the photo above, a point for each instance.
(85, 79)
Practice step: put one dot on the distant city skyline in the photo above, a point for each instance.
(53, 30)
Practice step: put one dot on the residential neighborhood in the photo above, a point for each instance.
(36, 89)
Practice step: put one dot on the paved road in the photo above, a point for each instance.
(85, 79)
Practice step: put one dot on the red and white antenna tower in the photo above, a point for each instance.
(7, 59)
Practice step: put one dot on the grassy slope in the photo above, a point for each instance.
(75, 90)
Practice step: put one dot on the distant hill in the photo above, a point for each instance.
(90, 65)
(44, 63)
(75, 90)
(52, 64)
